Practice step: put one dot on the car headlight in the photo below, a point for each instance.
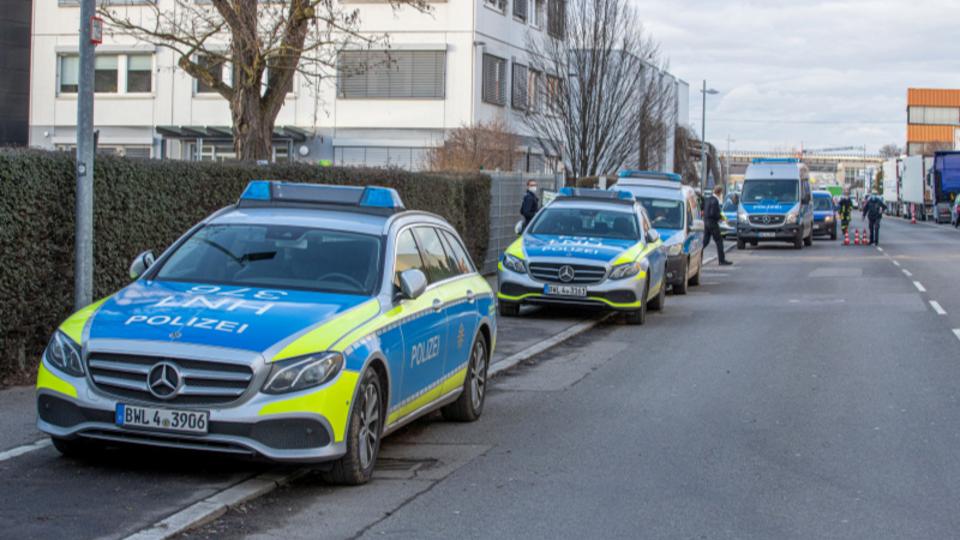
(828, 219)
(64, 354)
(742, 216)
(514, 264)
(791, 217)
(302, 372)
(675, 250)
(622, 271)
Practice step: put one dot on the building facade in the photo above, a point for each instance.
(853, 171)
(933, 120)
(15, 64)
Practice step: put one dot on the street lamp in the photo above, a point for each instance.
(703, 140)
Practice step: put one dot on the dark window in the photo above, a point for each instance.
(494, 80)
(105, 74)
(455, 249)
(520, 81)
(214, 65)
(557, 18)
(140, 73)
(391, 74)
(566, 221)
(408, 256)
(434, 257)
(520, 9)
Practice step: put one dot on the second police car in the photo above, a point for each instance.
(301, 324)
(587, 248)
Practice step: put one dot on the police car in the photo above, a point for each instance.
(587, 248)
(301, 324)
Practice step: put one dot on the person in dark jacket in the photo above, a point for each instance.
(712, 214)
(873, 210)
(531, 204)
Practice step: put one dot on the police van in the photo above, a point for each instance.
(587, 248)
(675, 214)
(301, 324)
(775, 204)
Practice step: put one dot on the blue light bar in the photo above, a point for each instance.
(586, 193)
(270, 191)
(653, 175)
(772, 161)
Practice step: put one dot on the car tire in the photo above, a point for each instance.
(363, 435)
(657, 303)
(469, 406)
(695, 280)
(741, 243)
(681, 286)
(508, 309)
(639, 316)
(73, 448)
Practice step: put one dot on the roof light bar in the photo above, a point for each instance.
(597, 194)
(773, 161)
(652, 175)
(272, 191)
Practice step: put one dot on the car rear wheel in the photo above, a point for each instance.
(639, 316)
(508, 309)
(363, 435)
(469, 405)
(681, 286)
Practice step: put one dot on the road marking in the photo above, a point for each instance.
(907, 273)
(879, 248)
(21, 450)
(896, 263)
(937, 307)
(956, 332)
(919, 286)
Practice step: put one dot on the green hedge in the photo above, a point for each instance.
(142, 204)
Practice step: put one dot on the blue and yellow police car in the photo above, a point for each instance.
(301, 324)
(587, 248)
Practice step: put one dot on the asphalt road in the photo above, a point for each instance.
(797, 394)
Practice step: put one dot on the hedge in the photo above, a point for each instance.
(143, 204)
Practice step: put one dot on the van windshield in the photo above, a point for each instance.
(769, 191)
(822, 203)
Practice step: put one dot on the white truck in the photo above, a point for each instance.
(891, 185)
(914, 193)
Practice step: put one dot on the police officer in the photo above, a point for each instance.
(531, 204)
(712, 214)
(873, 210)
(845, 206)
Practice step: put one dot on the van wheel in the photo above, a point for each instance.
(741, 243)
(363, 435)
(469, 405)
(798, 241)
(639, 316)
(508, 309)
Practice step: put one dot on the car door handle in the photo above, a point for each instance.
(470, 296)
(437, 304)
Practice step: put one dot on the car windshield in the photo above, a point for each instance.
(774, 191)
(822, 203)
(277, 256)
(664, 213)
(567, 221)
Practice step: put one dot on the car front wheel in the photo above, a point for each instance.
(363, 435)
(508, 309)
(639, 316)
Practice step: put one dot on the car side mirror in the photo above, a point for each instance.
(141, 263)
(518, 228)
(413, 283)
(697, 226)
(653, 236)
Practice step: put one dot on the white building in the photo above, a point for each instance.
(461, 63)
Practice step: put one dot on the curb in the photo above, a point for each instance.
(539, 347)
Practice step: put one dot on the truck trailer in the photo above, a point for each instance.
(944, 177)
(891, 185)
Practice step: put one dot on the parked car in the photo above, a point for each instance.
(824, 215)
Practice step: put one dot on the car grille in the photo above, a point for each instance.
(581, 273)
(766, 219)
(203, 382)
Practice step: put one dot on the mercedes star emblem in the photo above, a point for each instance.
(164, 380)
(766, 219)
(567, 273)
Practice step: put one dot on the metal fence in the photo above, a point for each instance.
(506, 192)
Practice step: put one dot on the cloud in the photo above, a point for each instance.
(818, 73)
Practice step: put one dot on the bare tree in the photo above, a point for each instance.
(592, 79)
(489, 146)
(266, 42)
(890, 151)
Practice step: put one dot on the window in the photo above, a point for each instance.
(408, 256)
(944, 116)
(665, 213)
(461, 261)
(105, 74)
(434, 257)
(500, 5)
(556, 18)
(534, 90)
(537, 13)
(552, 95)
(391, 74)
(215, 66)
(494, 80)
(520, 9)
(139, 73)
(567, 221)
(69, 74)
(519, 94)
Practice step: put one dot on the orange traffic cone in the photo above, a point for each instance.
(864, 241)
(846, 238)
(856, 237)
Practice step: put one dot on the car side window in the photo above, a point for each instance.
(408, 256)
(435, 260)
(457, 253)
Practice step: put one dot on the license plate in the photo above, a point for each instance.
(132, 416)
(768, 235)
(564, 290)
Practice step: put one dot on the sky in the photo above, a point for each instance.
(813, 73)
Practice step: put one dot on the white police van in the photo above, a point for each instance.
(775, 204)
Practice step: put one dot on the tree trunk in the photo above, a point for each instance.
(252, 126)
